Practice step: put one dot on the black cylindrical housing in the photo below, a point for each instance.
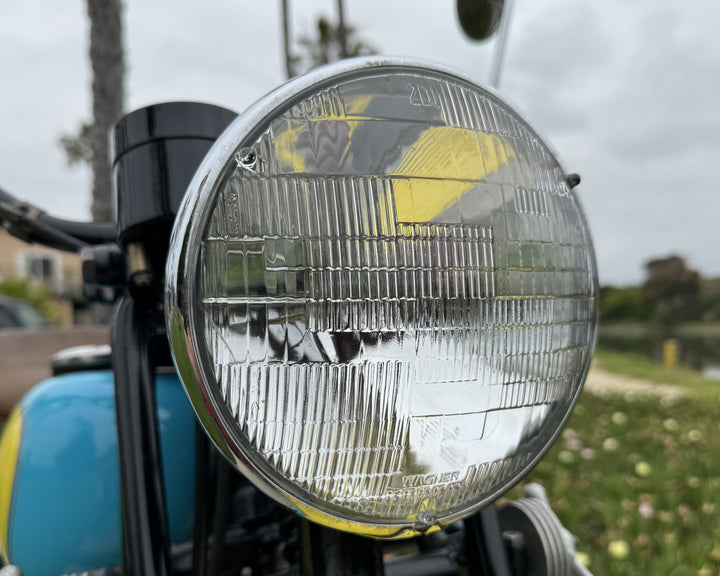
(157, 150)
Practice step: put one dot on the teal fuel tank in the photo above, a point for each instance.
(60, 475)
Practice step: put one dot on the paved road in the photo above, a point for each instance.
(25, 355)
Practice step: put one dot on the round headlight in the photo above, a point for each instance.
(382, 296)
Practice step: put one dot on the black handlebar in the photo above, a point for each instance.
(88, 232)
(31, 224)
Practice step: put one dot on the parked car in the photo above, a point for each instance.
(18, 313)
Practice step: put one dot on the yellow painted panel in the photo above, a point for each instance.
(9, 448)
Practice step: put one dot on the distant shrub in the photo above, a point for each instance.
(39, 296)
(623, 304)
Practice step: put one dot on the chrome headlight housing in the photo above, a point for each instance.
(382, 296)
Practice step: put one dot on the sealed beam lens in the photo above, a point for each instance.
(382, 296)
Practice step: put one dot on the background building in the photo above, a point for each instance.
(60, 271)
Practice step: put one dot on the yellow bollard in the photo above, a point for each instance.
(670, 353)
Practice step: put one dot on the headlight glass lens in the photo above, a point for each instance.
(388, 296)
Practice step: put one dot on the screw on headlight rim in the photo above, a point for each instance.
(246, 158)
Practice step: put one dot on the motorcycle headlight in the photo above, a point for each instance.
(382, 296)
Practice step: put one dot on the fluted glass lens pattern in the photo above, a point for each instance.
(397, 294)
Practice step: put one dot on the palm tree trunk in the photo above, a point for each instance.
(106, 58)
(289, 67)
(342, 36)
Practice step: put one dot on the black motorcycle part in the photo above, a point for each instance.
(89, 232)
(157, 151)
(31, 224)
(81, 359)
(327, 551)
(221, 513)
(202, 506)
(22, 221)
(435, 564)
(485, 552)
(145, 532)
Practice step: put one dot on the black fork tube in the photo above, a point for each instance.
(145, 532)
(331, 552)
(202, 504)
(484, 546)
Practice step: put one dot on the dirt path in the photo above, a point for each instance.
(604, 383)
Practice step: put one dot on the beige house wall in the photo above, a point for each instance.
(60, 271)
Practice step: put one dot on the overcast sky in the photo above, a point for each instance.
(628, 93)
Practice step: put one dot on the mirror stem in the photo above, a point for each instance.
(499, 53)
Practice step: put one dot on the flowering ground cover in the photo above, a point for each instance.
(637, 479)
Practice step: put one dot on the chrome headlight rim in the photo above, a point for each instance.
(192, 360)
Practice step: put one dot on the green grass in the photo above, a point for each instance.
(641, 471)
